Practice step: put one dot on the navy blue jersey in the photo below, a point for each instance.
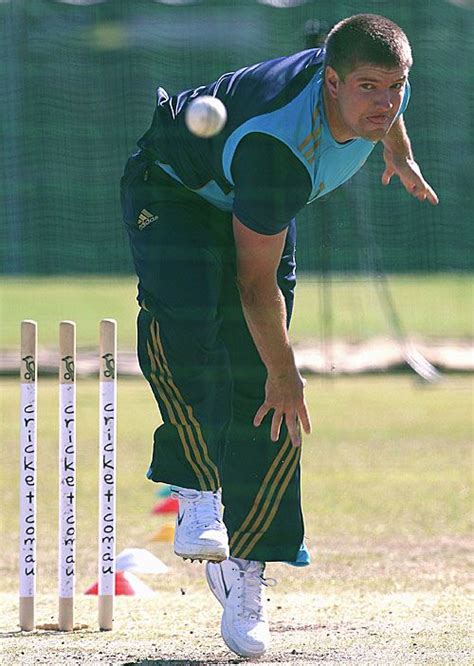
(275, 153)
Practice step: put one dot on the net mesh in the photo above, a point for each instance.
(78, 81)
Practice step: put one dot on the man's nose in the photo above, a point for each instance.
(384, 101)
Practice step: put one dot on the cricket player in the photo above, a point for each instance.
(211, 224)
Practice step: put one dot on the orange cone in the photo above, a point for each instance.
(164, 534)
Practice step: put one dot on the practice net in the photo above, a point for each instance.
(78, 84)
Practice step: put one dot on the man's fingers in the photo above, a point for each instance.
(419, 188)
(295, 419)
(422, 191)
(305, 420)
(413, 181)
(387, 176)
(262, 411)
(419, 194)
(294, 430)
(276, 425)
(432, 196)
(294, 423)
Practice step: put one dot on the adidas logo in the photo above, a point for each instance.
(145, 218)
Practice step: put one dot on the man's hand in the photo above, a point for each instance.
(410, 175)
(285, 395)
(258, 258)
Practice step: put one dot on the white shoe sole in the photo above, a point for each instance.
(209, 553)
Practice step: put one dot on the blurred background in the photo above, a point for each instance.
(78, 80)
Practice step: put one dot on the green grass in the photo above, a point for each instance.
(386, 493)
(389, 458)
(429, 306)
(384, 458)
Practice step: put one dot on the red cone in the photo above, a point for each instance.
(125, 584)
(168, 505)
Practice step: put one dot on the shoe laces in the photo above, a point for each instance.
(252, 584)
(204, 506)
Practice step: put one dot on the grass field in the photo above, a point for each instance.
(386, 484)
(429, 306)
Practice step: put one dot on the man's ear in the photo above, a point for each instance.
(332, 80)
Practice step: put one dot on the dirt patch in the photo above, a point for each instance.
(337, 357)
(396, 601)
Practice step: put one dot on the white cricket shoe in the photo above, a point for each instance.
(200, 533)
(238, 585)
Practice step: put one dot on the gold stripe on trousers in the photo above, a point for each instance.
(267, 500)
(181, 415)
(295, 457)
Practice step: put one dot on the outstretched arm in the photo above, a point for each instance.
(399, 161)
(258, 257)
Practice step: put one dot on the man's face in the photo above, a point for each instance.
(366, 102)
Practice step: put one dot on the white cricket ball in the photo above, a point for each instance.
(205, 116)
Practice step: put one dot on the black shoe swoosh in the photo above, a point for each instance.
(226, 590)
(180, 518)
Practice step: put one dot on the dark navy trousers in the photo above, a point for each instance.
(196, 352)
